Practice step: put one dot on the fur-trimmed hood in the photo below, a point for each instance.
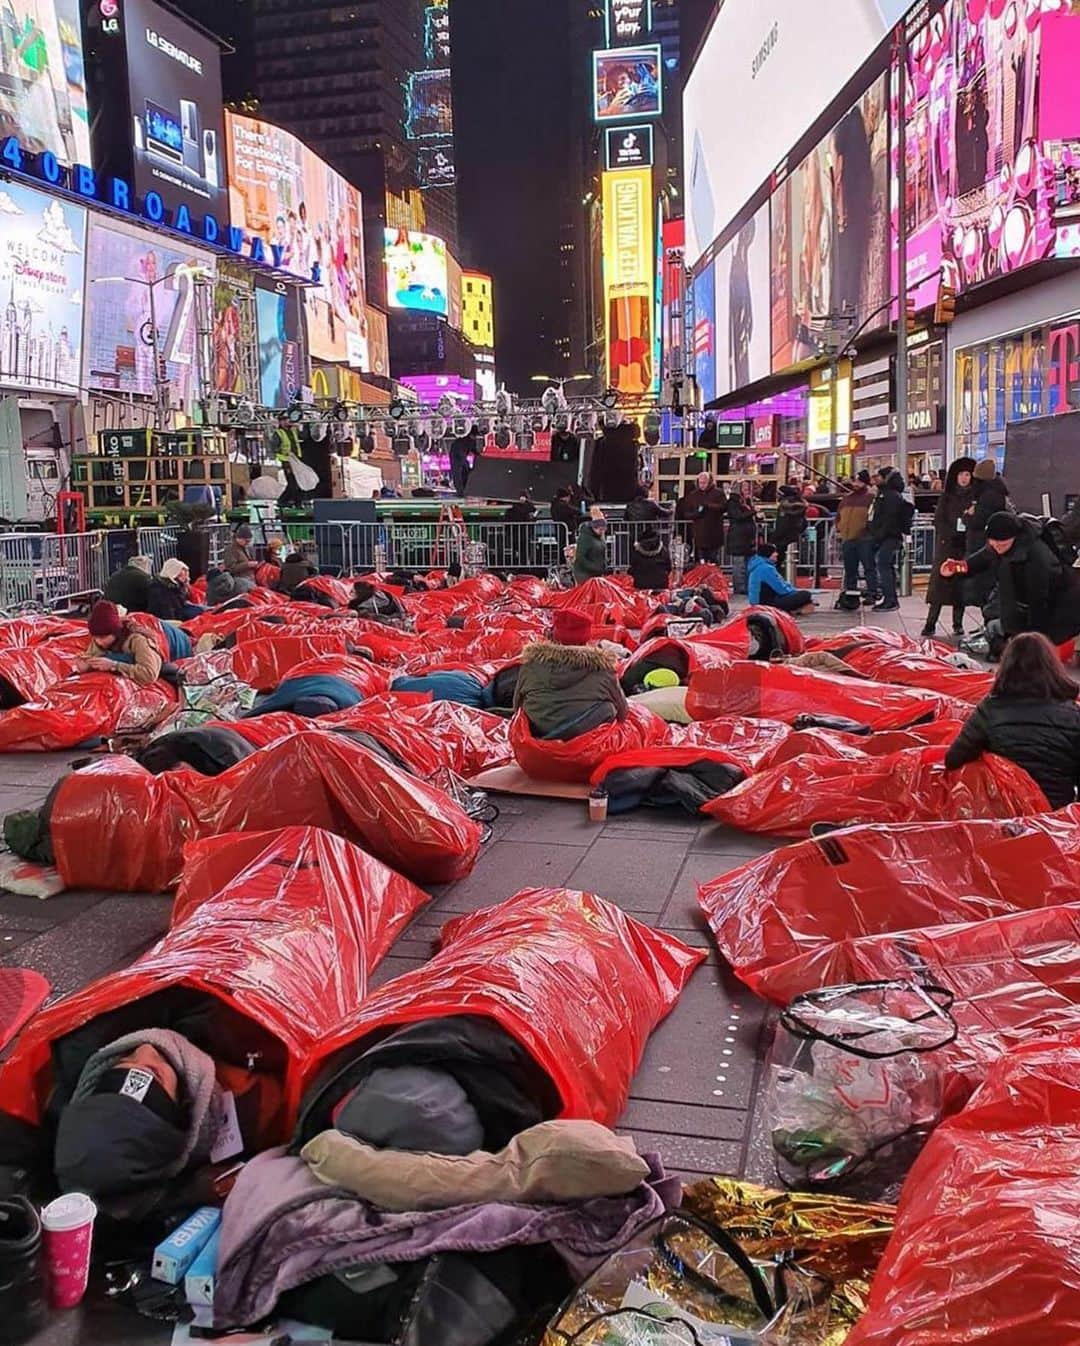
(579, 658)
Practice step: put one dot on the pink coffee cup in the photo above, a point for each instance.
(67, 1227)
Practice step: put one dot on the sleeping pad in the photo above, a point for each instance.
(903, 787)
(985, 1247)
(574, 760)
(273, 939)
(116, 827)
(87, 706)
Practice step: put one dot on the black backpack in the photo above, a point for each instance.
(1051, 532)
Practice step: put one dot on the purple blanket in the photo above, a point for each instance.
(283, 1228)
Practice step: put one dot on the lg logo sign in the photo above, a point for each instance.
(110, 16)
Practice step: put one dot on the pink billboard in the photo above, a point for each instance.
(990, 84)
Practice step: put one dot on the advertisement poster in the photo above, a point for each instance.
(435, 166)
(178, 129)
(984, 88)
(417, 272)
(627, 82)
(42, 79)
(830, 232)
(378, 343)
(629, 278)
(128, 271)
(703, 333)
(429, 107)
(278, 323)
(42, 255)
(453, 291)
(311, 223)
(743, 319)
(232, 299)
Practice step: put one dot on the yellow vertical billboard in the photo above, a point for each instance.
(629, 278)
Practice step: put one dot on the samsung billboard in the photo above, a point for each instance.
(767, 72)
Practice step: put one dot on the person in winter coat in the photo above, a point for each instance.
(1031, 717)
(240, 561)
(768, 587)
(566, 686)
(650, 561)
(705, 507)
(111, 634)
(295, 571)
(1036, 590)
(564, 511)
(643, 510)
(950, 543)
(129, 587)
(791, 522)
(375, 604)
(170, 593)
(853, 530)
(742, 534)
(991, 496)
(889, 523)
(590, 554)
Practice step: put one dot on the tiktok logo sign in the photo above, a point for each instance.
(1063, 374)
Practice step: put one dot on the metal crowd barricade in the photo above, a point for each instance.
(537, 546)
(624, 534)
(47, 567)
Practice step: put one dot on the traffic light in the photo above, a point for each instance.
(945, 308)
(911, 309)
(856, 444)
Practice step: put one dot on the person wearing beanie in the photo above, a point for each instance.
(240, 561)
(950, 541)
(590, 553)
(170, 593)
(1037, 590)
(566, 686)
(769, 588)
(650, 561)
(117, 647)
(129, 587)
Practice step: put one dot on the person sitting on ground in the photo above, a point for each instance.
(117, 647)
(240, 561)
(170, 593)
(1031, 718)
(566, 686)
(295, 571)
(590, 554)
(375, 604)
(767, 586)
(220, 588)
(129, 587)
(650, 561)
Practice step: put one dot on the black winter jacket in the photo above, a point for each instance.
(1043, 737)
(892, 514)
(742, 535)
(650, 565)
(1035, 591)
(791, 522)
(991, 497)
(167, 600)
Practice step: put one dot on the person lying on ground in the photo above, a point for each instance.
(567, 686)
(295, 571)
(1031, 717)
(375, 604)
(117, 647)
(765, 584)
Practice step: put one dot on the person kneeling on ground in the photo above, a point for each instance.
(116, 646)
(567, 687)
(650, 561)
(768, 587)
(1031, 717)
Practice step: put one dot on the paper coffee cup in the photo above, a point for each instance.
(598, 806)
(67, 1231)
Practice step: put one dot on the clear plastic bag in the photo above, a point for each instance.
(854, 1086)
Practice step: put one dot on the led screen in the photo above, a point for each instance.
(278, 323)
(417, 274)
(743, 344)
(429, 104)
(627, 83)
(231, 330)
(703, 331)
(42, 80)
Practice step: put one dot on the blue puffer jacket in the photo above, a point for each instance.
(761, 572)
(320, 686)
(460, 687)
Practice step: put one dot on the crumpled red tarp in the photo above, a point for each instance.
(857, 747)
(31, 670)
(116, 827)
(754, 743)
(985, 1248)
(266, 662)
(19, 633)
(904, 668)
(575, 760)
(780, 692)
(909, 786)
(860, 636)
(786, 921)
(684, 657)
(91, 705)
(707, 577)
(576, 981)
(283, 927)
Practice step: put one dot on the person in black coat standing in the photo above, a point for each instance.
(1031, 717)
(742, 534)
(950, 543)
(889, 524)
(705, 506)
(791, 523)
(650, 561)
(991, 496)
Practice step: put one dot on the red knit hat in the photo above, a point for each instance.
(570, 627)
(105, 620)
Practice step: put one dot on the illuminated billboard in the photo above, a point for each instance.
(478, 309)
(132, 274)
(42, 80)
(992, 112)
(429, 105)
(299, 215)
(627, 20)
(278, 323)
(42, 260)
(743, 326)
(437, 34)
(435, 166)
(703, 331)
(628, 147)
(629, 278)
(174, 83)
(769, 68)
(627, 83)
(231, 330)
(417, 272)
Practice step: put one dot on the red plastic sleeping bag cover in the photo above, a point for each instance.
(784, 922)
(878, 636)
(388, 719)
(19, 633)
(472, 740)
(575, 980)
(116, 827)
(734, 635)
(33, 669)
(676, 653)
(906, 669)
(91, 705)
(780, 692)
(985, 1248)
(286, 927)
(265, 663)
(338, 591)
(857, 747)
(755, 743)
(575, 760)
(904, 787)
